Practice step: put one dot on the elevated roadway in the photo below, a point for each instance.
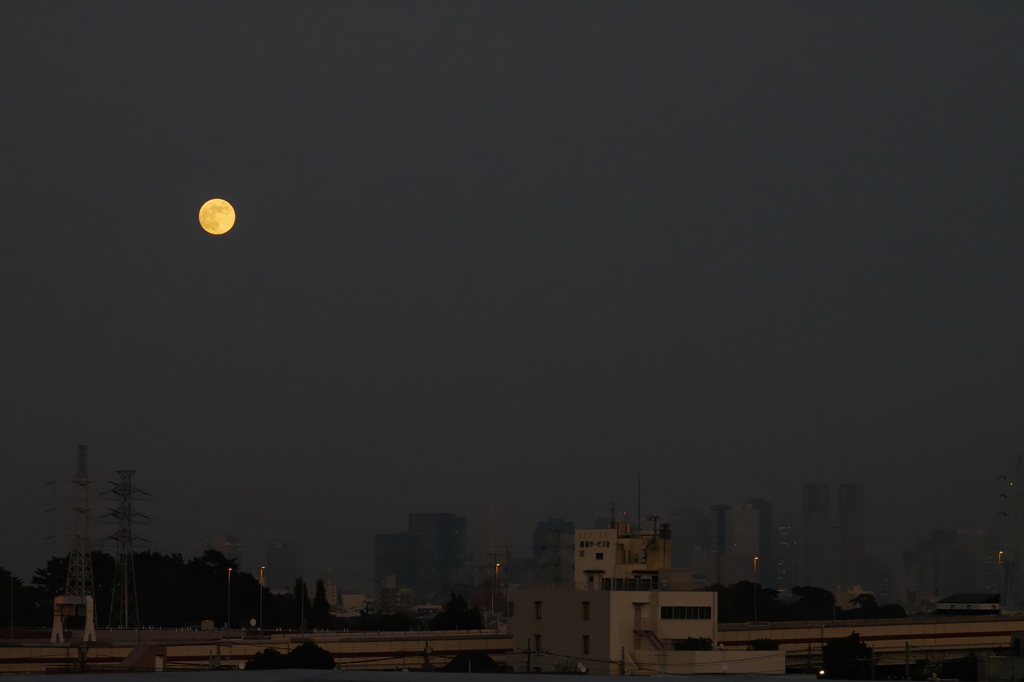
(895, 641)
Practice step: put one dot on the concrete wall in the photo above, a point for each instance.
(709, 662)
(359, 651)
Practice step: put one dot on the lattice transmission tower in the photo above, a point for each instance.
(78, 591)
(80, 583)
(124, 601)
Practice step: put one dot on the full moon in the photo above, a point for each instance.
(217, 216)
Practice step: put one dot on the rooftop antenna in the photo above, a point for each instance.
(639, 514)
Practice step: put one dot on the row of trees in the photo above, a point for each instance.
(173, 592)
(736, 604)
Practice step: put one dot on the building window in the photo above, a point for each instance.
(586, 644)
(586, 610)
(536, 642)
(686, 613)
(600, 555)
(511, 609)
(536, 612)
(582, 553)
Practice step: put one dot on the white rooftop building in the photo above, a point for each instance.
(630, 613)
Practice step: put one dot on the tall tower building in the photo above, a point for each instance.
(787, 557)
(440, 552)
(814, 569)
(488, 536)
(280, 572)
(693, 541)
(394, 559)
(852, 550)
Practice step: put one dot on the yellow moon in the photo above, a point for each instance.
(217, 216)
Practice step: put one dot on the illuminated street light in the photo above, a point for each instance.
(229, 598)
(261, 600)
(755, 589)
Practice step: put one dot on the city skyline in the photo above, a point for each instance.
(352, 564)
(508, 255)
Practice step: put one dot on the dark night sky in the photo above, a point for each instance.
(508, 253)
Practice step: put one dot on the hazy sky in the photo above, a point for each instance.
(509, 253)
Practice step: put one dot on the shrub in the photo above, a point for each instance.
(692, 644)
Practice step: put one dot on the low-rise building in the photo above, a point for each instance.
(630, 613)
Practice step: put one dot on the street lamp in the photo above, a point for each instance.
(1002, 576)
(494, 588)
(229, 598)
(261, 600)
(755, 589)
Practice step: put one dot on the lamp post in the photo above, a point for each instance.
(261, 600)
(1002, 576)
(229, 598)
(494, 588)
(755, 589)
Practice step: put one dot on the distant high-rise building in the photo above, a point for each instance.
(426, 559)
(786, 552)
(228, 545)
(814, 569)
(439, 554)
(741, 528)
(280, 573)
(718, 550)
(949, 561)
(694, 541)
(852, 549)
(834, 552)
(488, 536)
(394, 560)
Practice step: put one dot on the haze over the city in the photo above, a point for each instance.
(507, 254)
